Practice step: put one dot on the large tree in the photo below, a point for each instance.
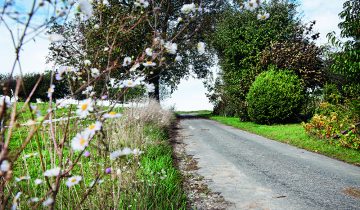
(146, 25)
(239, 39)
(346, 62)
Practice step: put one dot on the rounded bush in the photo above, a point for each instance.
(275, 96)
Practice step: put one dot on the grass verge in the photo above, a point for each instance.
(293, 134)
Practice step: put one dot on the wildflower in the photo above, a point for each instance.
(88, 90)
(179, 20)
(106, 49)
(149, 88)
(80, 141)
(149, 51)
(188, 8)
(171, 47)
(30, 155)
(52, 172)
(251, 5)
(201, 48)
(86, 154)
(56, 37)
(137, 152)
(5, 166)
(87, 62)
(73, 181)
(84, 108)
(22, 178)
(127, 61)
(95, 72)
(121, 152)
(51, 90)
(141, 3)
(108, 170)
(149, 64)
(38, 181)
(263, 16)
(91, 129)
(48, 202)
(129, 83)
(34, 200)
(178, 58)
(134, 67)
(96, 26)
(112, 115)
(86, 8)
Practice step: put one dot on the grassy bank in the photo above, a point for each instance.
(293, 134)
(134, 181)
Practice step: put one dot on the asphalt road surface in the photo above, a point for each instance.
(257, 173)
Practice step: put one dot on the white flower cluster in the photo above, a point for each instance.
(252, 5)
(124, 152)
(141, 3)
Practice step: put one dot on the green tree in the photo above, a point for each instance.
(345, 64)
(240, 38)
(139, 32)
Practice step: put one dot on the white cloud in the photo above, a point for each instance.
(32, 55)
(189, 96)
(325, 13)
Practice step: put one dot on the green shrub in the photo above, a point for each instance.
(338, 124)
(275, 97)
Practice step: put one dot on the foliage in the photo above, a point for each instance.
(239, 39)
(293, 134)
(300, 55)
(275, 97)
(337, 124)
(28, 82)
(346, 62)
(136, 35)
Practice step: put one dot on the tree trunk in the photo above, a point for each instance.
(156, 82)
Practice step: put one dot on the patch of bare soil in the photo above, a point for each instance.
(198, 194)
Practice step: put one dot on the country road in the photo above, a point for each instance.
(253, 172)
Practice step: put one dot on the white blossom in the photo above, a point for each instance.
(251, 5)
(112, 115)
(80, 141)
(188, 8)
(149, 51)
(87, 62)
(178, 58)
(95, 72)
(48, 202)
(127, 61)
(149, 88)
(96, 26)
(92, 128)
(149, 64)
(5, 166)
(52, 172)
(134, 67)
(84, 108)
(263, 16)
(38, 181)
(201, 48)
(171, 47)
(73, 181)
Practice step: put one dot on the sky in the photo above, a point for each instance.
(190, 94)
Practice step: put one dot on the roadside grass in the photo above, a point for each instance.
(160, 182)
(198, 112)
(293, 134)
(148, 181)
